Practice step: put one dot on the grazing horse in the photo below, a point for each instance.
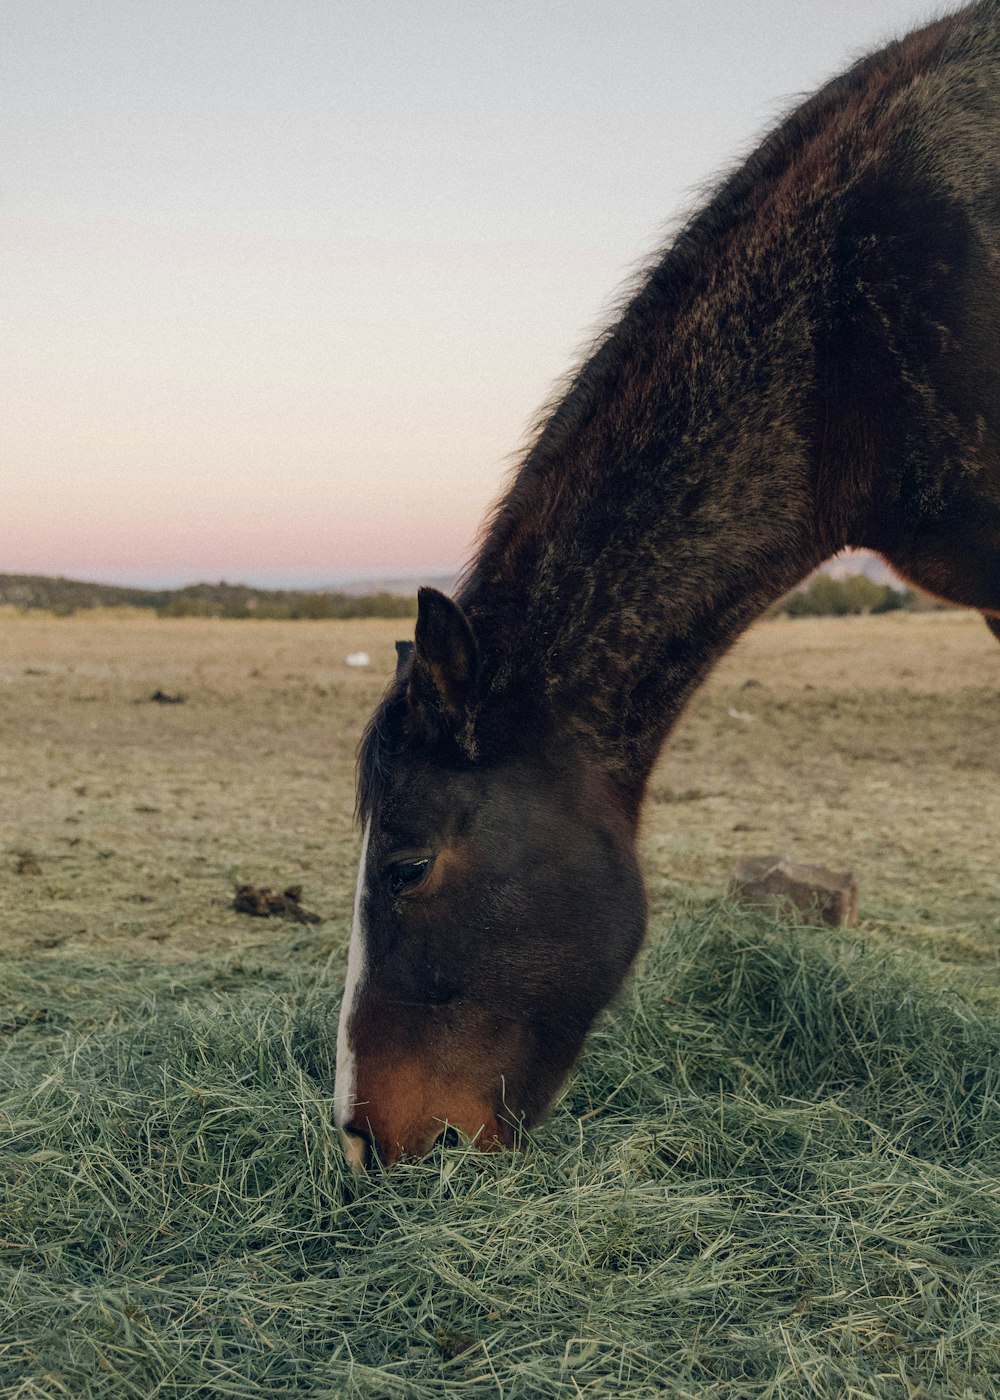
(814, 362)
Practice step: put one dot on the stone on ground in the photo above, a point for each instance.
(775, 882)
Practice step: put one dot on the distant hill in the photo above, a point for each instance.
(393, 597)
(64, 596)
(402, 587)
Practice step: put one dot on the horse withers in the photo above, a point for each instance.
(813, 363)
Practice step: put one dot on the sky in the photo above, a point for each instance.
(283, 285)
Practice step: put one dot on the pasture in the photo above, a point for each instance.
(776, 1174)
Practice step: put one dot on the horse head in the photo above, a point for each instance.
(499, 906)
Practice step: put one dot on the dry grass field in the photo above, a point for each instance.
(867, 743)
(774, 1176)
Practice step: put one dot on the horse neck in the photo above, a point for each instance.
(668, 503)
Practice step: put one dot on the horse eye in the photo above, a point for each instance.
(406, 875)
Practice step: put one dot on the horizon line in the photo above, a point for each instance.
(278, 580)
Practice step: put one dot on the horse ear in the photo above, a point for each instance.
(404, 650)
(445, 663)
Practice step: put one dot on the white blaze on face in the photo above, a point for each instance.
(344, 1091)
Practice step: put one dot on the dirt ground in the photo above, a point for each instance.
(867, 743)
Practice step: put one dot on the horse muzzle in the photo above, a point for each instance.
(402, 1111)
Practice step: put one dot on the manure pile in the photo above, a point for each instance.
(776, 1174)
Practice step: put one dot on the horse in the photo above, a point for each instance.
(812, 363)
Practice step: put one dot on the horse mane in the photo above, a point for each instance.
(671, 280)
(379, 744)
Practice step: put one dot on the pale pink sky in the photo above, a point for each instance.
(283, 285)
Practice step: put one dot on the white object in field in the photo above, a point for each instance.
(359, 658)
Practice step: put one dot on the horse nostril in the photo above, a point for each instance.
(450, 1138)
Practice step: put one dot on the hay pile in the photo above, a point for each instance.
(777, 1174)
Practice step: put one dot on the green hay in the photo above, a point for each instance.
(777, 1174)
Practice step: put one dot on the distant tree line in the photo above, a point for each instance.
(64, 597)
(824, 596)
(839, 597)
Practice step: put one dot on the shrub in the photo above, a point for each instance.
(834, 597)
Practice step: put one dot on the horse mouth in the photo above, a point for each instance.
(364, 1149)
